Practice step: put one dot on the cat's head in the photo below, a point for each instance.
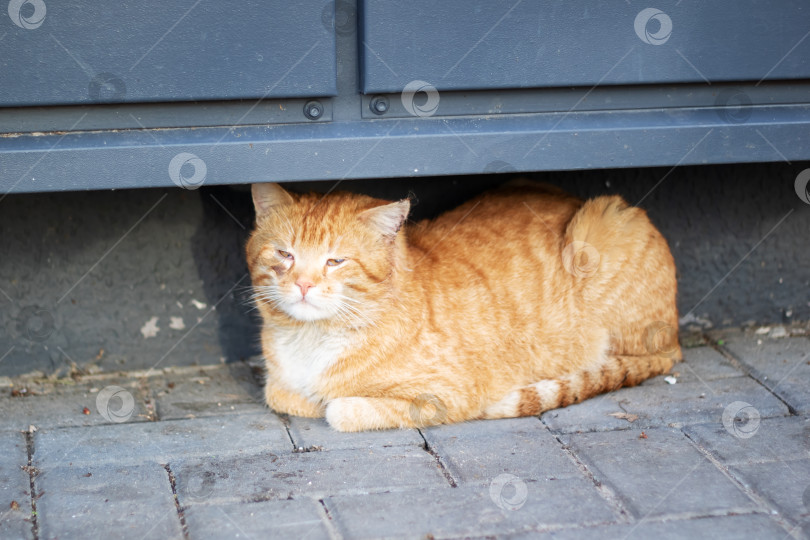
(318, 258)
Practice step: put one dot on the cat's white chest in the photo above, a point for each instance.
(303, 355)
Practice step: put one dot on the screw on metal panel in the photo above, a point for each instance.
(379, 105)
(313, 110)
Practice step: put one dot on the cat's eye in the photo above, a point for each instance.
(335, 262)
(285, 254)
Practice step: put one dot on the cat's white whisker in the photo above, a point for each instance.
(345, 298)
(266, 295)
(348, 313)
(358, 315)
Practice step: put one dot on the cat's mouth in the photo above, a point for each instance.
(304, 301)
(304, 309)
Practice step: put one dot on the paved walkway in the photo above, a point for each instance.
(724, 452)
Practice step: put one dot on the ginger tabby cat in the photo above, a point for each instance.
(522, 300)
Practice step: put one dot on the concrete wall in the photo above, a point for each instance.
(135, 279)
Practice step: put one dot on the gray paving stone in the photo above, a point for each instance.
(660, 475)
(467, 510)
(15, 485)
(62, 404)
(160, 442)
(785, 484)
(699, 364)
(236, 474)
(776, 439)
(300, 518)
(206, 391)
(267, 476)
(309, 432)
(476, 452)
(106, 501)
(754, 526)
(783, 365)
(664, 405)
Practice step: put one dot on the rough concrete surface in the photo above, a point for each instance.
(721, 453)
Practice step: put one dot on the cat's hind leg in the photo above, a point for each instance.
(610, 374)
(369, 413)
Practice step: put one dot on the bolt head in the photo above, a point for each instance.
(313, 110)
(379, 105)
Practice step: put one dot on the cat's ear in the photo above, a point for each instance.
(268, 196)
(387, 219)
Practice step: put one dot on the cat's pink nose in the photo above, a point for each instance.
(304, 285)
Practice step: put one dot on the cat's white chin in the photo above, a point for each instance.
(306, 311)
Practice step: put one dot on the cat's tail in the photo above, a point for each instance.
(610, 374)
(605, 222)
(604, 240)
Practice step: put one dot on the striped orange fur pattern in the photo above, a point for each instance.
(522, 300)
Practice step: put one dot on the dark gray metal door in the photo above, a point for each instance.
(79, 52)
(487, 44)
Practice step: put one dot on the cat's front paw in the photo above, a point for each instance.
(353, 414)
(285, 402)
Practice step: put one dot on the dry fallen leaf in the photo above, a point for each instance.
(642, 436)
(150, 329)
(15, 505)
(624, 416)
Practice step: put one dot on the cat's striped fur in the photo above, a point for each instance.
(520, 301)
